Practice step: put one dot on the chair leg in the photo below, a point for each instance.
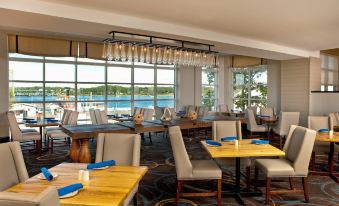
(219, 191)
(268, 190)
(291, 183)
(256, 173)
(52, 144)
(313, 161)
(135, 199)
(304, 179)
(150, 138)
(179, 184)
(248, 177)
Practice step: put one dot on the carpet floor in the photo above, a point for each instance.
(158, 185)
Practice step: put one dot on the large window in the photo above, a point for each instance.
(45, 86)
(329, 73)
(209, 88)
(249, 87)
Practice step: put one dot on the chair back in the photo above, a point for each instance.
(97, 114)
(267, 111)
(138, 110)
(104, 119)
(223, 108)
(298, 148)
(158, 112)
(48, 197)
(73, 118)
(148, 114)
(202, 111)
(254, 109)
(16, 133)
(92, 115)
(286, 120)
(63, 116)
(173, 113)
(251, 123)
(123, 148)
(222, 129)
(333, 119)
(183, 164)
(67, 114)
(319, 122)
(14, 169)
(190, 108)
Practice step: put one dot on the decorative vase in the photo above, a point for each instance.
(192, 115)
(138, 119)
(167, 116)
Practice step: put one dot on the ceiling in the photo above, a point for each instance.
(294, 28)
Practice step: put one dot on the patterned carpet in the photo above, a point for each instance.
(158, 186)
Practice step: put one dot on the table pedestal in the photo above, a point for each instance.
(79, 151)
(330, 172)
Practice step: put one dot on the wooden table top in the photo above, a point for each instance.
(105, 187)
(146, 126)
(325, 137)
(245, 149)
(43, 123)
(92, 130)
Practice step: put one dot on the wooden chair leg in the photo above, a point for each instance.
(135, 199)
(291, 183)
(304, 180)
(179, 184)
(268, 190)
(256, 174)
(219, 192)
(248, 177)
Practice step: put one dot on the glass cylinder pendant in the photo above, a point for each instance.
(142, 54)
(122, 52)
(148, 55)
(116, 52)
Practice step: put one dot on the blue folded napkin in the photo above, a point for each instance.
(47, 174)
(47, 118)
(100, 164)
(323, 130)
(52, 120)
(259, 141)
(125, 115)
(265, 116)
(212, 142)
(69, 189)
(226, 139)
(25, 118)
(31, 121)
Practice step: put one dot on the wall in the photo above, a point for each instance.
(274, 84)
(324, 103)
(3, 85)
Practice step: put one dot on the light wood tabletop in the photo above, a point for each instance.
(325, 137)
(105, 187)
(245, 149)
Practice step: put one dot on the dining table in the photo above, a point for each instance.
(269, 121)
(245, 148)
(331, 139)
(107, 187)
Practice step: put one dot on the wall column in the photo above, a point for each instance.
(4, 131)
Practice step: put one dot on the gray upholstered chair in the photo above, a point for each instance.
(14, 169)
(124, 149)
(59, 134)
(64, 120)
(202, 111)
(223, 108)
(316, 123)
(252, 125)
(190, 170)
(222, 129)
(97, 114)
(298, 149)
(48, 197)
(286, 120)
(92, 116)
(254, 109)
(137, 110)
(268, 111)
(23, 135)
(103, 115)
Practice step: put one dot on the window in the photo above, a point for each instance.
(329, 73)
(45, 86)
(209, 88)
(249, 87)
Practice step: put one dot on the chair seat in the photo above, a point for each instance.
(275, 167)
(259, 128)
(205, 169)
(49, 129)
(230, 162)
(28, 130)
(57, 134)
(29, 136)
(324, 147)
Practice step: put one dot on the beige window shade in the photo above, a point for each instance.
(40, 46)
(92, 50)
(244, 61)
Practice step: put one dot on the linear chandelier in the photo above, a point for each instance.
(123, 46)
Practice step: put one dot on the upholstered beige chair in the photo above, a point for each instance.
(64, 121)
(97, 114)
(202, 111)
(222, 129)
(252, 125)
(59, 134)
(285, 121)
(148, 114)
(103, 115)
(298, 149)
(223, 108)
(334, 121)
(23, 135)
(48, 197)
(92, 116)
(190, 170)
(190, 108)
(267, 111)
(124, 149)
(158, 112)
(254, 109)
(14, 169)
(316, 123)
(137, 110)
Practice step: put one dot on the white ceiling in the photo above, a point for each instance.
(290, 27)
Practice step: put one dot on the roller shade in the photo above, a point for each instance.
(245, 61)
(92, 50)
